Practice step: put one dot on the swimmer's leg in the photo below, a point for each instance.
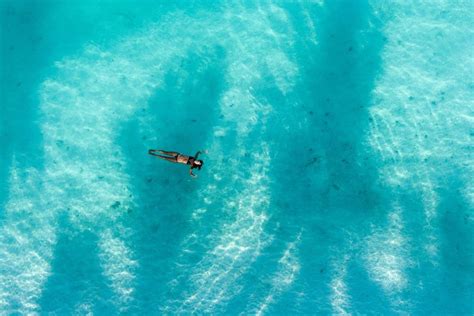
(169, 153)
(152, 152)
(170, 159)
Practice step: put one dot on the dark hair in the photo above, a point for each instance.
(199, 166)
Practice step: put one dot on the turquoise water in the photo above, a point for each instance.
(339, 170)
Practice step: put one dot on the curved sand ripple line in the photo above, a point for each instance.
(285, 275)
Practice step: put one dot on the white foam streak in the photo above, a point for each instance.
(23, 261)
(340, 299)
(238, 245)
(387, 255)
(287, 271)
(119, 267)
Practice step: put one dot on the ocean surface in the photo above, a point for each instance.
(338, 177)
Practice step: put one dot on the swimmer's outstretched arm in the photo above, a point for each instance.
(200, 152)
(191, 173)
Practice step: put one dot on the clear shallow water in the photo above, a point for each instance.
(338, 178)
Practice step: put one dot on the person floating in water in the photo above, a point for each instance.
(178, 158)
